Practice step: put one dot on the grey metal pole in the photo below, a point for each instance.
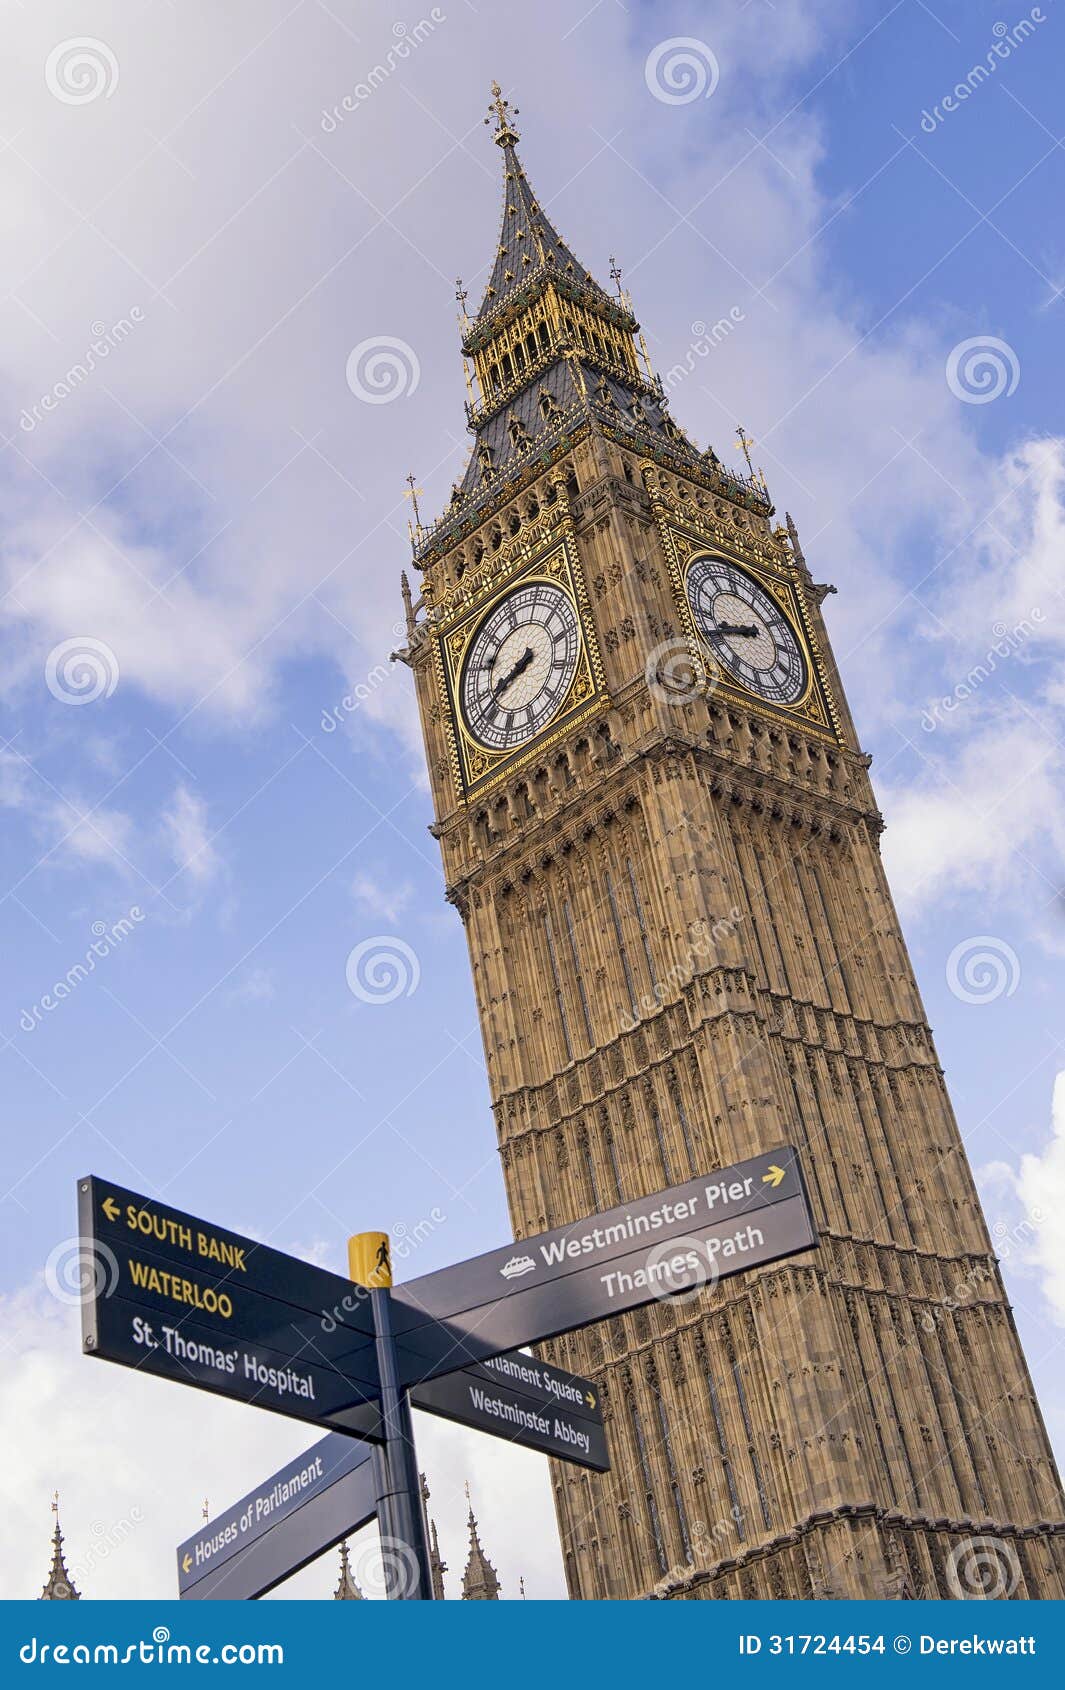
(401, 1519)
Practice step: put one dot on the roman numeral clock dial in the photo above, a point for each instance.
(520, 666)
(745, 630)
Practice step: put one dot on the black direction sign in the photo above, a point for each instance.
(533, 1418)
(187, 1301)
(304, 1509)
(285, 1382)
(671, 1242)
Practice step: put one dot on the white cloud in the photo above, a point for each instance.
(1025, 1204)
(93, 833)
(973, 813)
(188, 835)
(65, 827)
(984, 810)
(256, 986)
(378, 900)
(1041, 1188)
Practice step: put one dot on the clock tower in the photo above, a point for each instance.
(657, 825)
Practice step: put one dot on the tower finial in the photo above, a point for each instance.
(414, 528)
(506, 134)
(744, 444)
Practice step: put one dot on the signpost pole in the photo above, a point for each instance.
(405, 1552)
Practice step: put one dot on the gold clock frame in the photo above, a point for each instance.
(814, 711)
(476, 767)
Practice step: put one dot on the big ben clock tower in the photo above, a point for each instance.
(658, 828)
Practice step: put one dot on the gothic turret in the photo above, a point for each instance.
(480, 1582)
(437, 1565)
(60, 1585)
(347, 1590)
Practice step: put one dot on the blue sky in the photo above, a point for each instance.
(218, 512)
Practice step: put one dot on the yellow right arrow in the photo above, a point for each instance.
(186, 1563)
(589, 1399)
(774, 1176)
(110, 1208)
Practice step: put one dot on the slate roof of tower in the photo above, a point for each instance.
(641, 415)
(529, 243)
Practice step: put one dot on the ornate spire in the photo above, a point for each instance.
(60, 1586)
(529, 244)
(480, 1582)
(506, 135)
(347, 1590)
(437, 1565)
(552, 352)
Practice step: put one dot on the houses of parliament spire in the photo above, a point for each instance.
(480, 1582)
(59, 1586)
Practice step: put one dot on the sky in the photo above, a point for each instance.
(240, 227)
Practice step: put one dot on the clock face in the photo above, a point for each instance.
(746, 630)
(520, 666)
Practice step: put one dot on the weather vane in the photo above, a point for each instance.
(744, 444)
(412, 495)
(505, 134)
(615, 274)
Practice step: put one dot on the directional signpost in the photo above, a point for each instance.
(333, 1489)
(191, 1302)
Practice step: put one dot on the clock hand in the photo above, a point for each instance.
(748, 629)
(519, 669)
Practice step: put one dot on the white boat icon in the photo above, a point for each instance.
(517, 1266)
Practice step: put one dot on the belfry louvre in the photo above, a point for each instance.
(657, 824)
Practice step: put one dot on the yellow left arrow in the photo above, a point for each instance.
(111, 1208)
(186, 1563)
